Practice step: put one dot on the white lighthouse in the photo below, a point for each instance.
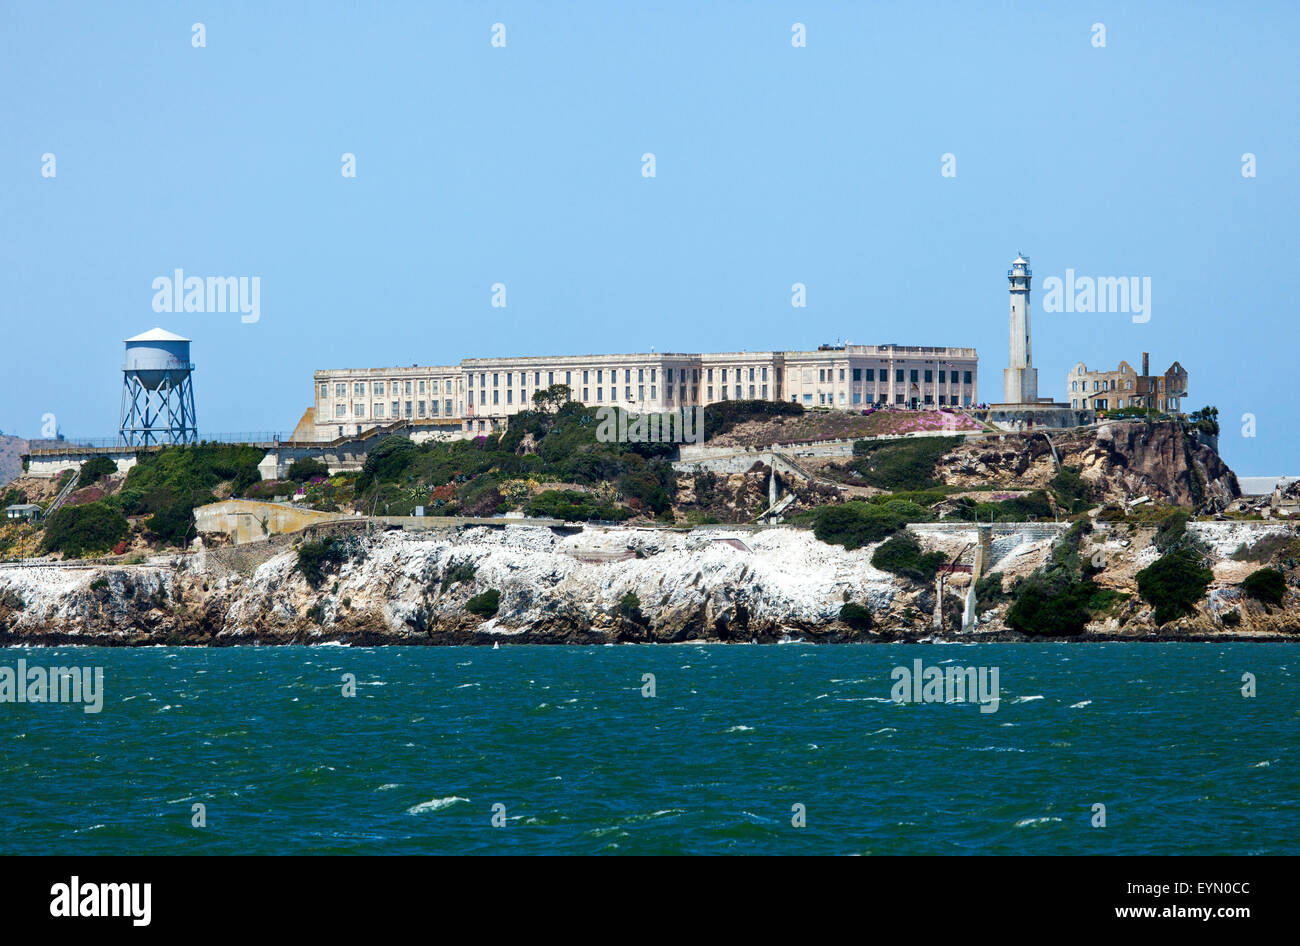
(1020, 378)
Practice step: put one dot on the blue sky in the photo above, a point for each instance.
(522, 165)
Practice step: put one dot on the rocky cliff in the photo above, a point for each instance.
(573, 587)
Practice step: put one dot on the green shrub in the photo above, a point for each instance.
(305, 468)
(906, 463)
(902, 555)
(1174, 583)
(1041, 608)
(988, 591)
(573, 506)
(317, 558)
(1171, 532)
(172, 523)
(854, 524)
(93, 470)
(458, 570)
(187, 474)
(1034, 505)
(1073, 493)
(1267, 585)
(484, 605)
(80, 530)
(856, 616)
(629, 608)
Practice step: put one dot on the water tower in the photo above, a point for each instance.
(157, 390)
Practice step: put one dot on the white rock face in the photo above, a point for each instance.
(725, 583)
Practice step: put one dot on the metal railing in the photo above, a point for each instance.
(253, 436)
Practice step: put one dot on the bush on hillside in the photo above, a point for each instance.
(300, 471)
(906, 463)
(856, 616)
(95, 469)
(573, 506)
(901, 554)
(484, 605)
(1174, 583)
(1267, 585)
(85, 530)
(854, 524)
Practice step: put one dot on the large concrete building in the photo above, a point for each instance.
(479, 394)
(1124, 387)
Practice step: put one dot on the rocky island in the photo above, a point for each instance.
(1132, 529)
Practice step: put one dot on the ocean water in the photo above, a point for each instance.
(436, 740)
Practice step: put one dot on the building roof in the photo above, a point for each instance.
(158, 335)
(23, 507)
(1263, 485)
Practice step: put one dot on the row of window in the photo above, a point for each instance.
(883, 398)
(378, 388)
(753, 374)
(1110, 385)
(377, 410)
(912, 374)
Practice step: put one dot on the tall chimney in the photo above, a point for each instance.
(1146, 363)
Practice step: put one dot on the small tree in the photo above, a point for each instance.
(1267, 585)
(484, 605)
(1174, 584)
(305, 468)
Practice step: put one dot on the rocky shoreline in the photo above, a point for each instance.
(589, 587)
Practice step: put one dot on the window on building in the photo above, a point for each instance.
(340, 410)
(324, 390)
(420, 408)
(898, 377)
(929, 375)
(871, 374)
(340, 390)
(396, 413)
(764, 395)
(496, 397)
(966, 380)
(408, 407)
(421, 387)
(584, 394)
(914, 376)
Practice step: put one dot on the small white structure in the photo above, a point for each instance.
(23, 511)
